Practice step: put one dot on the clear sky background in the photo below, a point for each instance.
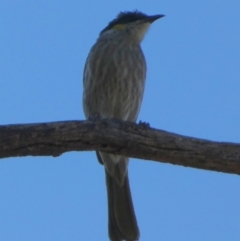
(192, 88)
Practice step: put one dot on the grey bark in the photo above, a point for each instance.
(118, 137)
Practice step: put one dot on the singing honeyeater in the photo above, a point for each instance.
(114, 80)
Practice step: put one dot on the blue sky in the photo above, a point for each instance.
(193, 86)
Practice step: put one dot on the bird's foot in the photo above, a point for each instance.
(144, 125)
(95, 117)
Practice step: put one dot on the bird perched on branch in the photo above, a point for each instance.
(114, 80)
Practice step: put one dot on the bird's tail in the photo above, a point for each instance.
(122, 223)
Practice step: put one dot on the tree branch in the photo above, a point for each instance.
(118, 137)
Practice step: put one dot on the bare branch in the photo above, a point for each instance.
(118, 137)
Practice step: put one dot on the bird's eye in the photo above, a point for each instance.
(119, 26)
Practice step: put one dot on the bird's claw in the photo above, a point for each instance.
(95, 117)
(144, 125)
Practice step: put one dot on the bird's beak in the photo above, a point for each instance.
(153, 18)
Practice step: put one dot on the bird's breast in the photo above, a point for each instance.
(114, 79)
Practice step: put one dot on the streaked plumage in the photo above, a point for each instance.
(114, 80)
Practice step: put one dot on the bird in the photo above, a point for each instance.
(113, 86)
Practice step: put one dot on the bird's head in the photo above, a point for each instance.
(134, 24)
